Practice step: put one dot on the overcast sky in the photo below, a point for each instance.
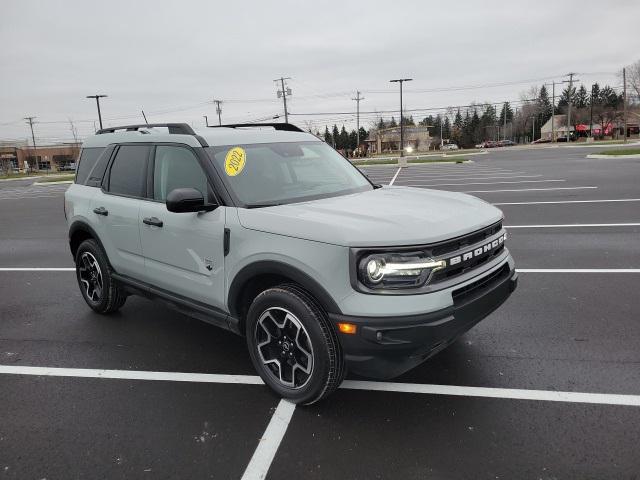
(172, 58)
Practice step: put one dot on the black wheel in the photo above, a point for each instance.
(292, 345)
(94, 279)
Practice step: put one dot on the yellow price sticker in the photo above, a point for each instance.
(234, 161)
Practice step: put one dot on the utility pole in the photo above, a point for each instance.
(624, 101)
(553, 110)
(98, 97)
(218, 111)
(570, 82)
(504, 131)
(357, 100)
(33, 138)
(441, 139)
(591, 114)
(206, 120)
(284, 93)
(533, 129)
(401, 81)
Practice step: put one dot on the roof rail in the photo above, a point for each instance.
(289, 127)
(174, 128)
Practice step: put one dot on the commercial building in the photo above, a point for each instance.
(18, 157)
(388, 139)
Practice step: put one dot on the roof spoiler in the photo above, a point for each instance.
(288, 127)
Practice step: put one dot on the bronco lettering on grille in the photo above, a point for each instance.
(477, 251)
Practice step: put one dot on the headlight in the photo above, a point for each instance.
(397, 270)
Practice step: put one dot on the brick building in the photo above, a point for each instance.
(16, 157)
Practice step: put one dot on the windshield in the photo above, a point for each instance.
(268, 174)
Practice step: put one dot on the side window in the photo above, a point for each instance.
(128, 175)
(88, 159)
(176, 167)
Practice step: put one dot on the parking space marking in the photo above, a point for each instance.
(510, 393)
(480, 183)
(578, 270)
(268, 447)
(529, 189)
(571, 201)
(458, 176)
(395, 176)
(576, 225)
(519, 270)
(37, 269)
(131, 375)
(429, 389)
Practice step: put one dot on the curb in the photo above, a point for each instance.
(52, 183)
(597, 155)
(410, 164)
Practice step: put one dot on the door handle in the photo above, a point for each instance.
(154, 221)
(101, 211)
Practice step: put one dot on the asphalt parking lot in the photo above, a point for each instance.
(148, 393)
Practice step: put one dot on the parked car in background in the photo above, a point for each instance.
(506, 143)
(541, 140)
(449, 146)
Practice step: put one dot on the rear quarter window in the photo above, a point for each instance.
(88, 159)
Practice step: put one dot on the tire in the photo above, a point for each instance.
(95, 281)
(284, 324)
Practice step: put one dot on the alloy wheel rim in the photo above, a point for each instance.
(90, 276)
(284, 347)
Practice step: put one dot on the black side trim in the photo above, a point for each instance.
(227, 241)
(271, 267)
(288, 127)
(78, 226)
(185, 305)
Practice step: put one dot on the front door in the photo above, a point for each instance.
(184, 252)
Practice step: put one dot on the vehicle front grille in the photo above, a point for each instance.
(465, 240)
(474, 289)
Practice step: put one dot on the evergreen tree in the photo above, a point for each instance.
(327, 136)
(609, 98)
(581, 98)
(565, 96)
(381, 124)
(544, 104)
(363, 134)
(446, 128)
(408, 121)
(392, 123)
(353, 140)
(335, 136)
(506, 107)
(344, 138)
(595, 94)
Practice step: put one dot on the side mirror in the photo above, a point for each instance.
(183, 200)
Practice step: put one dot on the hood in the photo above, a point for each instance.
(388, 216)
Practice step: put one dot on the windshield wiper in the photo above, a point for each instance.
(261, 205)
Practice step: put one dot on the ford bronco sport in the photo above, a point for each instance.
(267, 231)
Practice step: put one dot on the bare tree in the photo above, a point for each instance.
(633, 78)
(75, 148)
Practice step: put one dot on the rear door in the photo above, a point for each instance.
(115, 208)
(184, 252)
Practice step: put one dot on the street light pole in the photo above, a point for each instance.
(206, 120)
(401, 81)
(98, 97)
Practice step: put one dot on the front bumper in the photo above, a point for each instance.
(385, 347)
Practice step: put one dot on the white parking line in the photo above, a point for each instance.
(512, 393)
(457, 176)
(37, 269)
(395, 176)
(578, 270)
(576, 225)
(519, 270)
(571, 201)
(479, 183)
(268, 446)
(529, 189)
(429, 389)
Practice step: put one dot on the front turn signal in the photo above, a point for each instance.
(348, 328)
